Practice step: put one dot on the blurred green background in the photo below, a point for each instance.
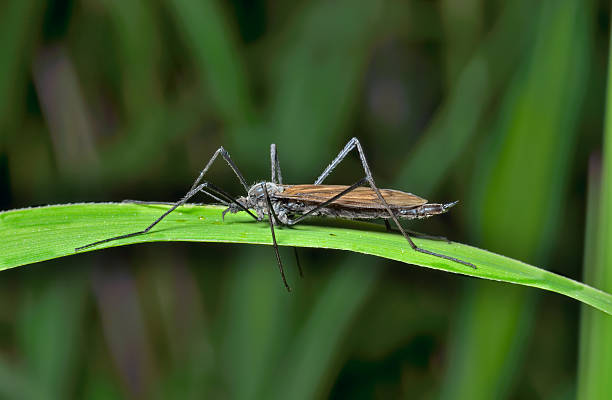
(499, 104)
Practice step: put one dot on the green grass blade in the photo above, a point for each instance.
(451, 133)
(254, 331)
(590, 339)
(595, 346)
(37, 234)
(138, 43)
(212, 44)
(315, 79)
(50, 331)
(15, 383)
(19, 22)
(333, 313)
(529, 152)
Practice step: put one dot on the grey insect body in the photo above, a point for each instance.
(420, 212)
(289, 207)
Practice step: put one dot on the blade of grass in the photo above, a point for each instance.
(530, 153)
(317, 79)
(214, 47)
(150, 136)
(256, 327)
(596, 353)
(15, 384)
(19, 22)
(50, 331)
(138, 42)
(312, 351)
(451, 133)
(463, 26)
(590, 340)
(179, 306)
(37, 234)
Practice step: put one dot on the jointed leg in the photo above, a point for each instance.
(297, 260)
(276, 172)
(417, 234)
(354, 144)
(220, 151)
(349, 146)
(272, 214)
(212, 196)
(228, 199)
(179, 203)
(229, 162)
(278, 178)
(169, 203)
(195, 188)
(200, 188)
(145, 202)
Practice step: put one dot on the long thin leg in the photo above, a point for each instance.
(190, 194)
(229, 162)
(271, 213)
(417, 234)
(212, 196)
(349, 146)
(354, 144)
(179, 203)
(228, 198)
(276, 171)
(196, 187)
(297, 260)
(170, 203)
(277, 177)
(228, 159)
(150, 203)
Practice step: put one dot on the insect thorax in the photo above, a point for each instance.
(256, 197)
(256, 192)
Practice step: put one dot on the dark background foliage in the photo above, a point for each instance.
(496, 103)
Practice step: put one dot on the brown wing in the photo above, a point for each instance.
(361, 197)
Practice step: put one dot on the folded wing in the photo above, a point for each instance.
(361, 197)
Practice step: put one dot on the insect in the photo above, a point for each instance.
(287, 205)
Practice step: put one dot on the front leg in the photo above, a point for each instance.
(197, 186)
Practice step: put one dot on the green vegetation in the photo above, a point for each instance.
(39, 234)
(497, 104)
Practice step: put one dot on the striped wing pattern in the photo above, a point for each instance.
(361, 197)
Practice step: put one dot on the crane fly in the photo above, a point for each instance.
(286, 205)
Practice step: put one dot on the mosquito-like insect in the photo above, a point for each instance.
(286, 205)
